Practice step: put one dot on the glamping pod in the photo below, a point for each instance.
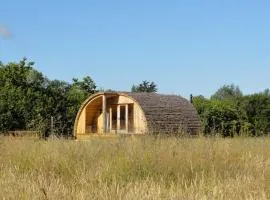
(110, 113)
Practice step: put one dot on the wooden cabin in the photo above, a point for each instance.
(112, 113)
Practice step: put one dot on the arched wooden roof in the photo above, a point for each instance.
(163, 113)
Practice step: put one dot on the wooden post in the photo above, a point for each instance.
(118, 118)
(126, 118)
(104, 113)
(52, 126)
(110, 119)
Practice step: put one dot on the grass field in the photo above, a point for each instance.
(135, 168)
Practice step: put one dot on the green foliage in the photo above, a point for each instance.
(20, 89)
(86, 85)
(145, 86)
(258, 113)
(230, 113)
(28, 100)
(217, 116)
(227, 92)
(222, 118)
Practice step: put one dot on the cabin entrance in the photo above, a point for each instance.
(108, 115)
(120, 118)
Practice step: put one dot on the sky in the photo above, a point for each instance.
(185, 47)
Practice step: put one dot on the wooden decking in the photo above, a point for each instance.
(96, 135)
(105, 136)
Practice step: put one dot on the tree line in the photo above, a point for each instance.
(29, 100)
(228, 112)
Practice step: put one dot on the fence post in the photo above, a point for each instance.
(52, 126)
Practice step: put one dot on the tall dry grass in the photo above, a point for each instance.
(135, 168)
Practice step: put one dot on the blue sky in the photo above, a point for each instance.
(184, 46)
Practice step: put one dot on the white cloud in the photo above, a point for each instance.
(5, 32)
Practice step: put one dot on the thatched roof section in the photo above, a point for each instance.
(168, 113)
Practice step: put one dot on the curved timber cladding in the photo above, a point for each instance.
(135, 113)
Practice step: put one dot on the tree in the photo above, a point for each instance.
(227, 92)
(87, 84)
(218, 116)
(222, 118)
(229, 112)
(258, 112)
(145, 86)
(28, 100)
(21, 87)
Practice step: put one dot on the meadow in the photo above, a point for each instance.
(135, 168)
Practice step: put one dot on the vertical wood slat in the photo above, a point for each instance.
(126, 118)
(118, 118)
(107, 122)
(110, 119)
(104, 113)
